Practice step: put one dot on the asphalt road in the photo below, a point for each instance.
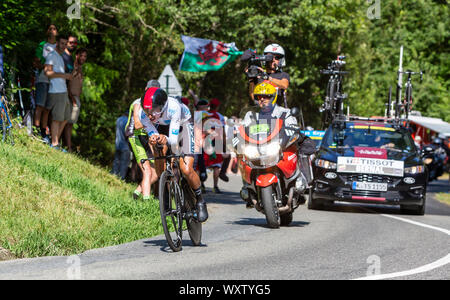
(343, 242)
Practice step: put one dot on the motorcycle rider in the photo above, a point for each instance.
(266, 94)
(273, 73)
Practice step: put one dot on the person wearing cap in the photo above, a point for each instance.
(140, 132)
(273, 72)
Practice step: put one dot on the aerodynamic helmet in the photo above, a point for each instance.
(154, 97)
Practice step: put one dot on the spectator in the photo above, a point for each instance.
(58, 100)
(122, 157)
(42, 83)
(201, 112)
(67, 55)
(214, 160)
(74, 93)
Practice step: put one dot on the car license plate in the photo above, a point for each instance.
(369, 186)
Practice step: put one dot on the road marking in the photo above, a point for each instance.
(434, 265)
(447, 232)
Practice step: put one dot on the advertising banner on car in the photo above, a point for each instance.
(370, 166)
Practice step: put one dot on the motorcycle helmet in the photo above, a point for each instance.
(266, 89)
(153, 98)
(276, 50)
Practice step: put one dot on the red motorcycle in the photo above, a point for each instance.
(271, 169)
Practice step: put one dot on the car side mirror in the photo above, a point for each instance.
(295, 111)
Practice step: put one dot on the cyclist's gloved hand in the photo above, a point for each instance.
(162, 139)
(153, 139)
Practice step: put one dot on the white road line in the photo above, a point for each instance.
(418, 224)
(434, 265)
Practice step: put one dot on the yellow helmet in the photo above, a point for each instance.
(265, 88)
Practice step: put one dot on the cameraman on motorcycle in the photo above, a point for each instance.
(273, 73)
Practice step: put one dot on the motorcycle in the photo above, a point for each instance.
(271, 168)
(434, 159)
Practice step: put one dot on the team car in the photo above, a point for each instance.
(369, 161)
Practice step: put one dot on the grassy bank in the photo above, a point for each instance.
(53, 203)
(443, 197)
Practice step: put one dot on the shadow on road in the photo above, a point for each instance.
(164, 247)
(227, 198)
(261, 222)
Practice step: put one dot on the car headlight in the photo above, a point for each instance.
(415, 170)
(428, 161)
(325, 164)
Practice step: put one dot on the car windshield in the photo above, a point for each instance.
(365, 136)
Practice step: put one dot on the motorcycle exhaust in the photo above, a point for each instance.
(288, 207)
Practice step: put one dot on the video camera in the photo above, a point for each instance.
(254, 61)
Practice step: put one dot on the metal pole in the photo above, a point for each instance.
(400, 81)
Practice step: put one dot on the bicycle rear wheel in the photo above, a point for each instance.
(170, 207)
(193, 225)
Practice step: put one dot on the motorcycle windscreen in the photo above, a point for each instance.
(261, 131)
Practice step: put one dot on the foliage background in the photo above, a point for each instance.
(131, 41)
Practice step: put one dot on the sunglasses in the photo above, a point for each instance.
(263, 97)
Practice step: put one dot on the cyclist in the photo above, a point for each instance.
(140, 131)
(173, 120)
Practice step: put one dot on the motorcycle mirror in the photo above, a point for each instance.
(295, 111)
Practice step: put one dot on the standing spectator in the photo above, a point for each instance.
(74, 93)
(214, 160)
(122, 155)
(42, 83)
(67, 55)
(58, 100)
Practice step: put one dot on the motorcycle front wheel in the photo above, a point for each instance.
(270, 207)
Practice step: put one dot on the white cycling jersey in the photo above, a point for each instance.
(176, 114)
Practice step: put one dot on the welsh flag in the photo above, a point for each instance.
(202, 55)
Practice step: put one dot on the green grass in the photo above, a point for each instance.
(54, 203)
(444, 198)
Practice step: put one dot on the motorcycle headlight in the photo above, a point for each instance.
(415, 170)
(251, 151)
(321, 163)
(270, 149)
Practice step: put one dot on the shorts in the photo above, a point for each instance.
(74, 111)
(139, 144)
(42, 93)
(59, 104)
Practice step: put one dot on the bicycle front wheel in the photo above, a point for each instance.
(170, 208)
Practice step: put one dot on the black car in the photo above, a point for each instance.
(370, 161)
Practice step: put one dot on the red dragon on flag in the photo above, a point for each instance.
(211, 57)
